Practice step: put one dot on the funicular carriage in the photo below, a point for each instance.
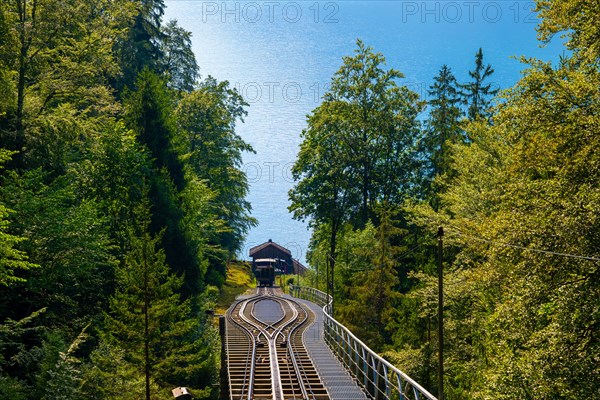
(264, 270)
(269, 260)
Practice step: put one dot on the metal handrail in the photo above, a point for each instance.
(379, 378)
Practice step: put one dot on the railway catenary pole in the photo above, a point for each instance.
(440, 271)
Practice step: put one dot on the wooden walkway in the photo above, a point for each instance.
(336, 379)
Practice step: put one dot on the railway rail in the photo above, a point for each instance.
(266, 358)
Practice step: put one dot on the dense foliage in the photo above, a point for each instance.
(514, 182)
(121, 201)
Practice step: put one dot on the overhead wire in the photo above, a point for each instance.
(514, 246)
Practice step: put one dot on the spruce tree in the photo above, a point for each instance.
(12, 258)
(179, 61)
(148, 113)
(443, 125)
(476, 93)
(148, 320)
(141, 48)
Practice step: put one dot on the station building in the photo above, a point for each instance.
(281, 257)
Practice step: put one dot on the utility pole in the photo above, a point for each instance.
(316, 281)
(440, 271)
(327, 281)
(330, 285)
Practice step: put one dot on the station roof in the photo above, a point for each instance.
(299, 267)
(256, 249)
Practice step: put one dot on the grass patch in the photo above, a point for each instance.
(285, 280)
(239, 281)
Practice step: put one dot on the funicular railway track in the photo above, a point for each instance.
(267, 359)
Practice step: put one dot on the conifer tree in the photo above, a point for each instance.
(476, 93)
(11, 258)
(148, 320)
(65, 377)
(179, 61)
(141, 48)
(148, 113)
(370, 255)
(443, 126)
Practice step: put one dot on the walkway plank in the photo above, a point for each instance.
(338, 381)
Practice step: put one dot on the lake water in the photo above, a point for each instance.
(281, 56)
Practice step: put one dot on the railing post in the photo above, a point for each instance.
(365, 368)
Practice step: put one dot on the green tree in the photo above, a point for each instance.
(476, 93)
(149, 112)
(373, 291)
(19, 355)
(148, 321)
(109, 376)
(68, 238)
(11, 258)
(577, 19)
(115, 175)
(323, 193)
(140, 49)
(212, 152)
(201, 224)
(59, 54)
(359, 148)
(82, 164)
(520, 321)
(378, 127)
(443, 127)
(64, 378)
(179, 61)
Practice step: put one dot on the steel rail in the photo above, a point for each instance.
(272, 343)
(297, 365)
(249, 358)
(271, 325)
(290, 373)
(248, 380)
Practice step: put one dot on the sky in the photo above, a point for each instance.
(281, 56)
